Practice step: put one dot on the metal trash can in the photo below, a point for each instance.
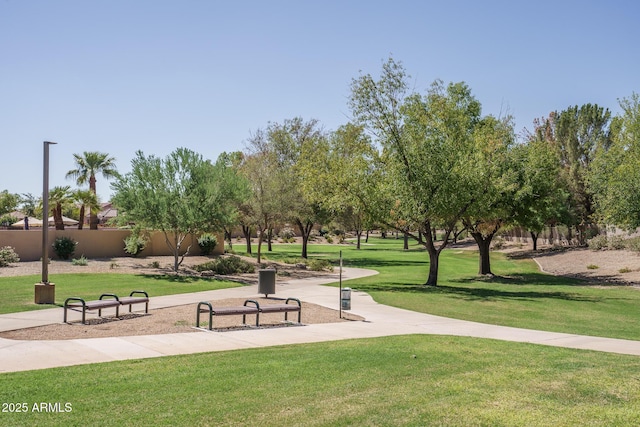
(345, 299)
(266, 281)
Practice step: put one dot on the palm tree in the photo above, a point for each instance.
(86, 199)
(59, 198)
(88, 165)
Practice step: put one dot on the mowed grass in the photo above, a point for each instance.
(394, 381)
(18, 292)
(520, 295)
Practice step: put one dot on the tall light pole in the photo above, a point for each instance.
(45, 291)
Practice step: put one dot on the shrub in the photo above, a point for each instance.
(226, 265)
(616, 242)
(207, 243)
(633, 244)
(625, 270)
(287, 233)
(592, 267)
(135, 242)
(8, 256)
(599, 242)
(64, 247)
(319, 265)
(80, 261)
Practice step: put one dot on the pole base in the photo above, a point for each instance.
(45, 293)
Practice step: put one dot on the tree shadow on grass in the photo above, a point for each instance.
(481, 293)
(176, 278)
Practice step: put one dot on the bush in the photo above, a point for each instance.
(135, 242)
(207, 243)
(287, 233)
(599, 242)
(8, 256)
(80, 261)
(616, 242)
(226, 265)
(64, 247)
(633, 244)
(319, 265)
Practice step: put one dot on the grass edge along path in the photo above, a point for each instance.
(404, 380)
(18, 291)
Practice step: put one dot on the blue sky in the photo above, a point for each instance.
(124, 75)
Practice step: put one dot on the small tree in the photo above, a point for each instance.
(180, 195)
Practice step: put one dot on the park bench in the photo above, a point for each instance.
(285, 308)
(254, 308)
(206, 307)
(105, 301)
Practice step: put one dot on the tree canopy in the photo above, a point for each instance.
(181, 195)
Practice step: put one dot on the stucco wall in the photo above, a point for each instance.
(91, 243)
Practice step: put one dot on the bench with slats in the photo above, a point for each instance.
(207, 307)
(106, 301)
(285, 308)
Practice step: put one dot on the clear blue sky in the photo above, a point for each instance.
(124, 75)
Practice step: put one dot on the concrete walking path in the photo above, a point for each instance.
(380, 320)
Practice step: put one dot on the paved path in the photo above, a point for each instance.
(380, 321)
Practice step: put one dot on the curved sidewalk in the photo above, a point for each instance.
(380, 321)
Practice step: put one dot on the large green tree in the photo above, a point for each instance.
(342, 174)
(87, 166)
(541, 198)
(180, 195)
(492, 175)
(616, 175)
(580, 132)
(286, 142)
(427, 144)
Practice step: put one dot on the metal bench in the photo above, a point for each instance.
(206, 307)
(131, 299)
(80, 305)
(285, 308)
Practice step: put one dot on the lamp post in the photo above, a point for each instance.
(44, 291)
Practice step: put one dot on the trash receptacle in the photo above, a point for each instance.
(345, 299)
(266, 282)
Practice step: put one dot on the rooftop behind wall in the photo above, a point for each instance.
(102, 243)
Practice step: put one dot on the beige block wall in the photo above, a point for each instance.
(103, 243)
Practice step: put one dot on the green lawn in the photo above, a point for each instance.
(17, 292)
(520, 295)
(405, 380)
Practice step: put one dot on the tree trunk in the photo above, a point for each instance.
(270, 239)
(366, 237)
(246, 231)
(484, 243)
(406, 241)
(359, 237)
(260, 232)
(434, 259)
(227, 237)
(534, 239)
(305, 232)
(81, 222)
(57, 218)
